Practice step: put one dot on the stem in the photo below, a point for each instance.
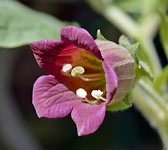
(121, 20)
(150, 51)
(151, 110)
(163, 131)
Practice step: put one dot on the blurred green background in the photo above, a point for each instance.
(21, 129)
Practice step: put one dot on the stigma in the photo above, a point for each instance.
(77, 70)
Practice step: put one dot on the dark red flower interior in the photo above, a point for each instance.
(91, 64)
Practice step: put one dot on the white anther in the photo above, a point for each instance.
(81, 93)
(66, 67)
(97, 94)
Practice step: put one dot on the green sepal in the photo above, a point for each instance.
(123, 104)
(141, 68)
(124, 41)
(131, 47)
(100, 36)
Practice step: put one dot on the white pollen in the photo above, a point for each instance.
(81, 93)
(66, 67)
(97, 93)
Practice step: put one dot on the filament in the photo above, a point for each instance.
(86, 77)
(90, 79)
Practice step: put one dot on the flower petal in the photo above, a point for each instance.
(52, 99)
(123, 64)
(46, 52)
(88, 117)
(111, 81)
(80, 38)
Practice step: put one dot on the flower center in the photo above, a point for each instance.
(94, 96)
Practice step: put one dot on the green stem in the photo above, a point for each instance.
(150, 52)
(146, 101)
(121, 20)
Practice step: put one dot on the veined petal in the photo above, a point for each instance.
(46, 52)
(88, 117)
(52, 99)
(111, 81)
(80, 38)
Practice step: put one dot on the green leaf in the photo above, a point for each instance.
(164, 32)
(120, 105)
(162, 79)
(100, 36)
(20, 25)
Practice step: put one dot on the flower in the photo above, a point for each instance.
(81, 81)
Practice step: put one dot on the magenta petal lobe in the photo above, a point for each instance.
(52, 99)
(80, 38)
(87, 117)
(111, 81)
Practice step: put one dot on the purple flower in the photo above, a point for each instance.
(81, 81)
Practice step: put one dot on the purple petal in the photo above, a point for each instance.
(80, 38)
(45, 52)
(111, 81)
(52, 99)
(88, 117)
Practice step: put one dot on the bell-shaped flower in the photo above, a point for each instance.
(81, 78)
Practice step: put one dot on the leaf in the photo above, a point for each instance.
(20, 25)
(162, 79)
(164, 32)
(100, 36)
(120, 105)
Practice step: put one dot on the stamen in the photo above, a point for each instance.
(90, 102)
(93, 75)
(98, 95)
(77, 70)
(66, 67)
(81, 93)
(90, 79)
